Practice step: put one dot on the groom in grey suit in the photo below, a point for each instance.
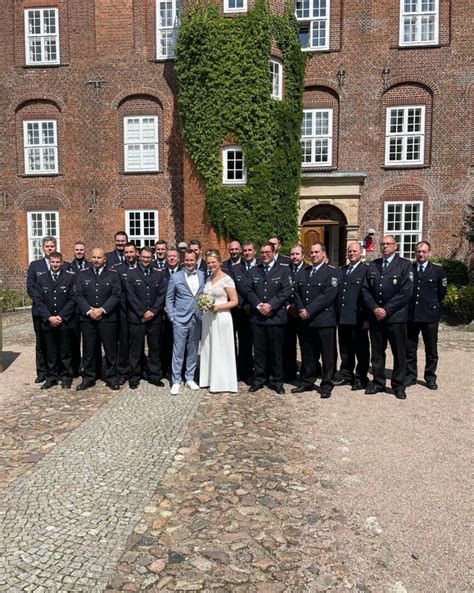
(181, 306)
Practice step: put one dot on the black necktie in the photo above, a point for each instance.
(349, 270)
(97, 272)
(420, 269)
(266, 269)
(313, 271)
(385, 265)
(55, 277)
(147, 272)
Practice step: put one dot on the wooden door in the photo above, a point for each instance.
(311, 234)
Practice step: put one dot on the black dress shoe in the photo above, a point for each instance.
(400, 393)
(114, 385)
(342, 381)
(156, 382)
(40, 379)
(85, 385)
(373, 389)
(432, 385)
(278, 389)
(255, 387)
(302, 389)
(410, 382)
(66, 385)
(325, 394)
(133, 384)
(49, 383)
(122, 380)
(357, 385)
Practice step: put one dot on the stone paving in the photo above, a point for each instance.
(65, 523)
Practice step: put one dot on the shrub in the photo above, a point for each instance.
(456, 270)
(13, 299)
(460, 301)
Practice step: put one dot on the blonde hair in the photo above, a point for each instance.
(214, 253)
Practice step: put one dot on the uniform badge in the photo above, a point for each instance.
(444, 282)
(334, 281)
(410, 275)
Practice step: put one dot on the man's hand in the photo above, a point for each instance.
(292, 310)
(266, 309)
(380, 314)
(55, 320)
(304, 314)
(148, 315)
(96, 313)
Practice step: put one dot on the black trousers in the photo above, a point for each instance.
(429, 332)
(58, 354)
(290, 364)
(318, 341)
(354, 343)
(123, 336)
(396, 335)
(40, 351)
(93, 333)
(152, 332)
(268, 353)
(243, 338)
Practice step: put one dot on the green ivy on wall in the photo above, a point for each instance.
(224, 97)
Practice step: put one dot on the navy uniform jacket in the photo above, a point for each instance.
(428, 294)
(156, 264)
(56, 298)
(392, 290)
(228, 264)
(72, 265)
(351, 309)
(317, 293)
(112, 259)
(123, 270)
(293, 276)
(36, 267)
(283, 260)
(145, 294)
(273, 288)
(103, 291)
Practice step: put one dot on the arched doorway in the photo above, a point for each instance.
(325, 224)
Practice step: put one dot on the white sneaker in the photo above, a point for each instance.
(175, 389)
(192, 385)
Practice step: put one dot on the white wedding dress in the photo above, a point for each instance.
(217, 367)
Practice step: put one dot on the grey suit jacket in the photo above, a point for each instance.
(180, 301)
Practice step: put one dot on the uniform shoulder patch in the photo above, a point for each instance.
(334, 281)
(444, 282)
(71, 272)
(410, 275)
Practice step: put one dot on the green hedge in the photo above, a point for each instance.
(456, 270)
(13, 299)
(224, 97)
(459, 301)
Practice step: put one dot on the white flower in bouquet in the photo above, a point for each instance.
(205, 302)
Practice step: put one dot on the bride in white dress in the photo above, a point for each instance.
(217, 367)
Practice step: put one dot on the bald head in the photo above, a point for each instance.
(98, 257)
(354, 252)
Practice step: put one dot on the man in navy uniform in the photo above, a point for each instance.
(98, 297)
(387, 290)
(353, 319)
(146, 292)
(430, 286)
(315, 300)
(36, 267)
(117, 256)
(195, 245)
(56, 306)
(279, 258)
(130, 254)
(161, 248)
(268, 290)
(235, 252)
(78, 263)
(293, 327)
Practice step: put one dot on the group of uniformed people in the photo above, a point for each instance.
(117, 299)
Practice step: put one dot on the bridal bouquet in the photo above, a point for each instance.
(205, 302)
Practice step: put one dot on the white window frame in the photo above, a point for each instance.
(417, 16)
(42, 37)
(404, 236)
(41, 147)
(310, 22)
(314, 138)
(276, 74)
(35, 238)
(141, 144)
(169, 31)
(405, 135)
(228, 9)
(225, 161)
(141, 239)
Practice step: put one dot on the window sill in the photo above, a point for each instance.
(418, 46)
(234, 183)
(315, 168)
(157, 172)
(42, 66)
(30, 175)
(405, 166)
(161, 60)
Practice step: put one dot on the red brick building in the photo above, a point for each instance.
(91, 144)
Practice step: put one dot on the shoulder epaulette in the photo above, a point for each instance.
(71, 272)
(83, 270)
(112, 270)
(41, 273)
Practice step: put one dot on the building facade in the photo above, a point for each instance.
(91, 143)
